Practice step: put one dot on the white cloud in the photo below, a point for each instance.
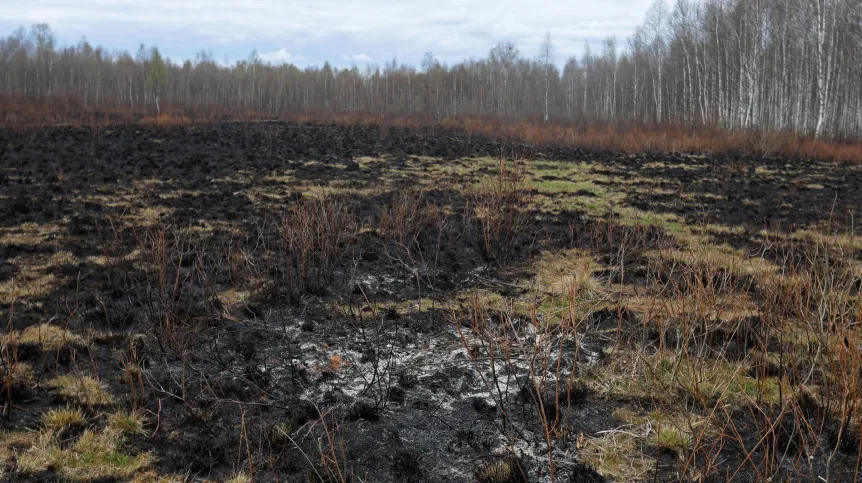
(357, 58)
(451, 29)
(280, 56)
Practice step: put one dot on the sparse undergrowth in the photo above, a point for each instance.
(415, 316)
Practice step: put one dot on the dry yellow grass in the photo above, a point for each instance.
(94, 456)
(616, 455)
(56, 419)
(127, 422)
(566, 271)
(239, 477)
(841, 242)
(151, 215)
(30, 234)
(47, 337)
(668, 429)
(713, 258)
(29, 282)
(674, 438)
(81, 389)
(667, 376)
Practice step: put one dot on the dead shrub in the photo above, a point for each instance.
(501, 209)
(316, 234)
(412, 230)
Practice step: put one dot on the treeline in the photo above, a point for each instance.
(768, 65)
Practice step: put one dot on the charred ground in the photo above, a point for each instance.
(336, 303)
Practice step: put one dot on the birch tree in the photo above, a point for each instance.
(736, 64)
(545, 59)
(825, 16)
(157, 78)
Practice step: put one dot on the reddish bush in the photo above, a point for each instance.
(625, 137)
(165, 121)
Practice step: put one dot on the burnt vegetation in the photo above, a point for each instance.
(645, 266)
(297, 302)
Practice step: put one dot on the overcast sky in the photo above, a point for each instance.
(342, 32)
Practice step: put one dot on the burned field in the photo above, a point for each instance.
(274, 301)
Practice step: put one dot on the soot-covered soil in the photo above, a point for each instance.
(331, 303)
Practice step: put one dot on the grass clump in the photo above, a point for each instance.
(81, 389)
(57, 419)
(675, 439)
(127, 423)
(94, 456)
(666, 376)
(507, 470)
(570, 271)
(239, 477)
(672, 431)
(47, 337)
(616, 456)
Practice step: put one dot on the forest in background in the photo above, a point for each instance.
(788, 66)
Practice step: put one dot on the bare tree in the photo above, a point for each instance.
(545, 59)
(739, 64)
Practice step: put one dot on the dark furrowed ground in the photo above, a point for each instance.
(330, 303)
